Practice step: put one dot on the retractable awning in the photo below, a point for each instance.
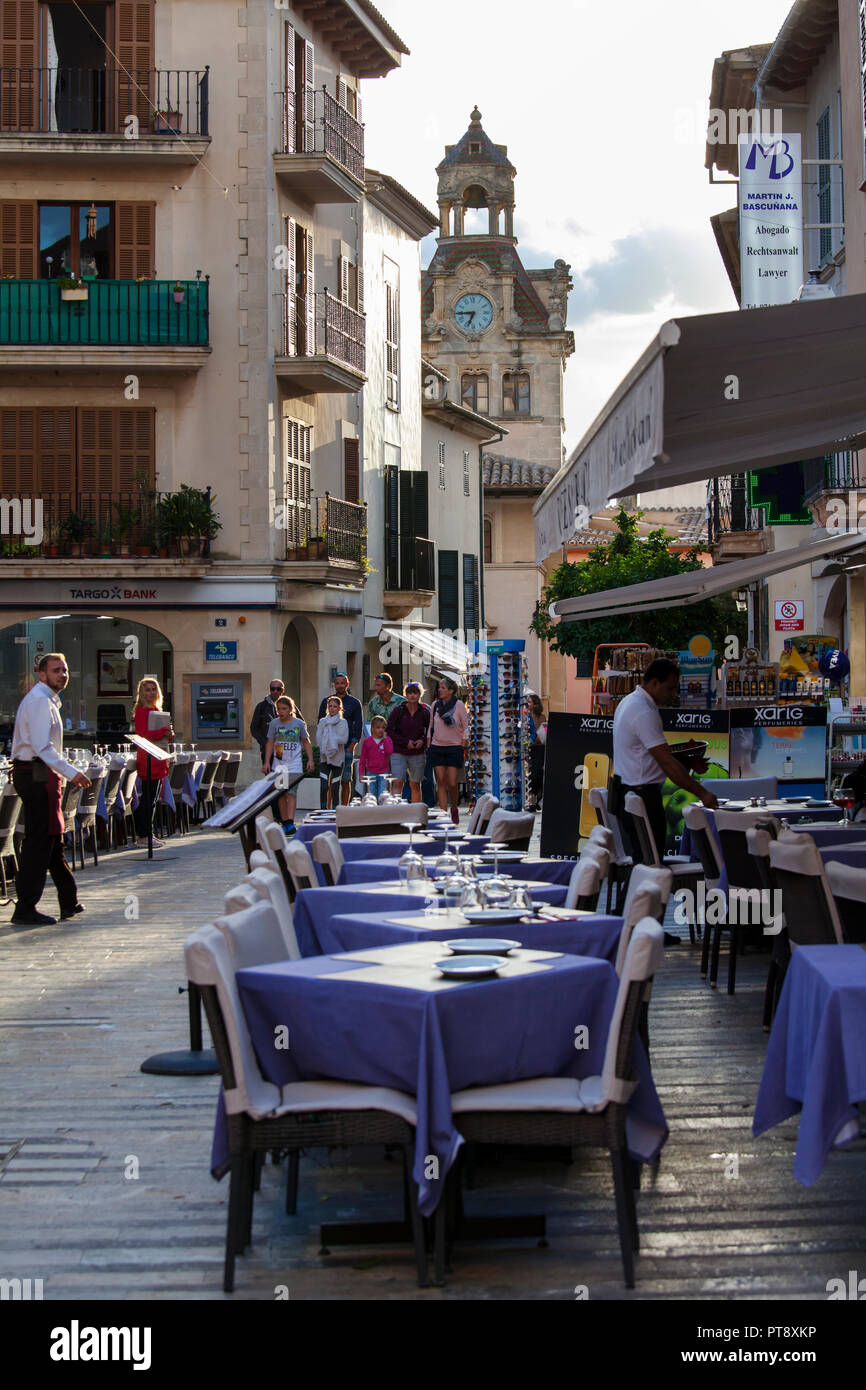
(718, 394)
(680, 589)
(439, 649)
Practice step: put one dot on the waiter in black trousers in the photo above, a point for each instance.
(39, 770)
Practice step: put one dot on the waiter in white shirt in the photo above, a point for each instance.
(642, 758)
(39, 770)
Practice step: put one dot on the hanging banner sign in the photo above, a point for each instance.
(578, 756)
(771, 220)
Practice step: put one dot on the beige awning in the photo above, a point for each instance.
(410, 644)
(719, 394)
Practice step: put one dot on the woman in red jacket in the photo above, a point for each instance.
(148, 698)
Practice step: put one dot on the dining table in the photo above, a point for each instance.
(816, 1057)
(385, 1016)
(392, 846)
(538, 870)
(310, 827)
(313, 908)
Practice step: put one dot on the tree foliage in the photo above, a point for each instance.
(629, 559)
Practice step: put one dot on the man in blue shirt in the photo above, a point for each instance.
(353, 713)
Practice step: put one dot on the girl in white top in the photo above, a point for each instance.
(332, 735)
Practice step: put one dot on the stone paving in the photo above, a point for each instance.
(105, 1191)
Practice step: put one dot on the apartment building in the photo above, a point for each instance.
(184, 350)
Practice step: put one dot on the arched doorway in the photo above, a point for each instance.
(107, 657)
(301, 667)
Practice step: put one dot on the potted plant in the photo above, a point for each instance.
(51, 541)
(317, 548)
(76, 534)
(71, 289)
(103, 543)
(147, 514)
(166, 121)
(178, 294)
(125, 518)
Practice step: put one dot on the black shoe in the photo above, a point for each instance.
(31, 919)
(73, 912)
(672, 940)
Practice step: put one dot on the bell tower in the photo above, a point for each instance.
(476, 174)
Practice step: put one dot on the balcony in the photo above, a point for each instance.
(326, 539)
(39, 328)
(322, 156)
(828, 483)
(320, 345)
(156, 116)
(735, 531)
(102, 526)
(410, 575)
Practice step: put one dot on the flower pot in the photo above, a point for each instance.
(178, 296)
(78, 296)
(52, 550)
(123, 549)
(144, 551)
(167, 123)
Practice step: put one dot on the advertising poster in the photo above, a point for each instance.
(578, 756)
(706, 731)
(784, 741)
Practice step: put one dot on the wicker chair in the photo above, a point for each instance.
(86, 818)
(557, 1111)
(758, 842)
(204, 797)
(252, 932)
(263, 1117)
(848, 886)
(478, 813)
(684, 871)
(356, 821)
(269, 885)
(292, 861)
(584, 885)
(743, 876)
(621, 862)
(811, 916)
(112, 786)
(10, 810)
(327, 852)
(600, 835)
(485, 817)
(512, 828)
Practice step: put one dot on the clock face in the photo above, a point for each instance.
(473, 312)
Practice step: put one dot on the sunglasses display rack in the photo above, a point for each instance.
(498, 751)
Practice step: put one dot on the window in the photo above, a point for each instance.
(392, 335)
(75, 239)
(474, 391)
(488, 541)
(465, 472)
(93, 240)
(297, 487)
(351, 470)
(441, 466)
(825, 188)
(449, 592)
(82, 450)
(350, 291)
(515, 393)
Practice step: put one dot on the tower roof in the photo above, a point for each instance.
(476, 147)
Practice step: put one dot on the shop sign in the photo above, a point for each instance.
(790, 615)
(220, 651)
(771, 220)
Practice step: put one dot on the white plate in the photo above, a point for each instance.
(493, 916)
(469, 967)
(487, 945)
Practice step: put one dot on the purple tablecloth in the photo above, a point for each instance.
(392, 846)
(594, 935)
(816, 1059)
(819, 832)
(540, 870)
(855, 855)
(314, 908)
(431, 1043)
(309, 829)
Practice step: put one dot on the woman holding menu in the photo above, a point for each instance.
(150, 723)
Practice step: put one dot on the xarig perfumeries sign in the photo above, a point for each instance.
(771, 220)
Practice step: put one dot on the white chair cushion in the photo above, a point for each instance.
(539, 1093)
(299, 1096)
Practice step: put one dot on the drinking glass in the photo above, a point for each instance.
(452, 893)
(472, 897)
(416, 875)
(521, 898)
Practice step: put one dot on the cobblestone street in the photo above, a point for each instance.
(84, 1003)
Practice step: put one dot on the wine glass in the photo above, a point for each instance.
(369, 798)
(472, 897)
(416, 879)
(843, 797)
(499, 885)
(452, 893)
(521, 899)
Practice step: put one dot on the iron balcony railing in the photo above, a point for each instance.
(79, 525)
(325, 528)
(409, 564)
(313, 122)
(100, 101)
(834, 473)
(126, 313)
(319, 325)
(728, 508)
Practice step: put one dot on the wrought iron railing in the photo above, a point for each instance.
(313, 122)
(100, 101)
(728, 508)
(319, 325)
(79, 525)
(133, 313)
(326, 528)
(834, 473)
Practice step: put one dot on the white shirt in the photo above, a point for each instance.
(39, 730)
(637, 727)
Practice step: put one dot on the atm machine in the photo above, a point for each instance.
(216, 710)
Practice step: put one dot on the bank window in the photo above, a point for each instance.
(442, 465)
(75, 239)
(515, 393)
(474, 391)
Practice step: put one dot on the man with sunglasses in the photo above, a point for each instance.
(264, 712)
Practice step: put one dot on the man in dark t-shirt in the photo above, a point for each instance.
(353, 713)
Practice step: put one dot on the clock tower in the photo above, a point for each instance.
(494, 327)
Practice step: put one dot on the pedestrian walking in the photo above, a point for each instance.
(265, 712)
(286, 743)
(353, 713)
(375, 760)
(449, 722)
(407, 728)
(39, 770)
(148, 701)
(332, 735)
(385, 699)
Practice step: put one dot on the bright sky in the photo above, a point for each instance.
(603, 109)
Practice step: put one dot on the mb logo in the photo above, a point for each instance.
(778, 152)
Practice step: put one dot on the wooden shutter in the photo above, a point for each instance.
(470, 593)
(115, 449)
(19, 103)
(343, 93)
(344, 271)
(37, 450)
(392, 526)
(19, 239)
(289, 110)
(134, 240)
(351, 470)
(56, 449)
(291, 346)
(133, 45)
(449, 594)
(414, 523)
(309, 96)
(310, 307)
(18, 470)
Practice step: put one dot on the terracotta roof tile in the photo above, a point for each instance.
(501, 472)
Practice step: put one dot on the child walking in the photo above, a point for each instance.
(287, 735)
(376, 753)
(332, 735)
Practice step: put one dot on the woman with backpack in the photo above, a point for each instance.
(407, 729)
(449, 722)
